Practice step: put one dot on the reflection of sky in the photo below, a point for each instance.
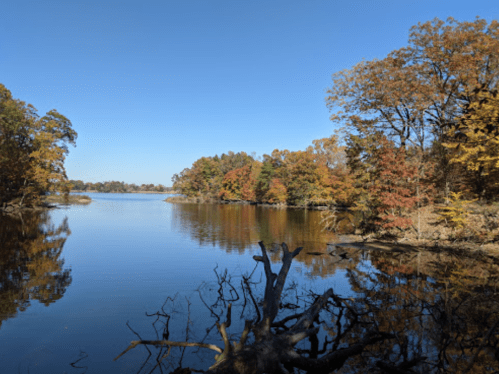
(129, 252)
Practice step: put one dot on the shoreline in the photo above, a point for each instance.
(211, 200)
(414, 246)
(434, 234)
(47, 202)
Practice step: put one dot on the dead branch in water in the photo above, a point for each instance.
(269, 346)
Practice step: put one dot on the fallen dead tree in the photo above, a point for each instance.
(269, 344)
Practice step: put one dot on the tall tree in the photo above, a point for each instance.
(32, 150)
(415, 91)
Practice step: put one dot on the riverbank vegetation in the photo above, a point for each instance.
(417, 129)
(32, 152)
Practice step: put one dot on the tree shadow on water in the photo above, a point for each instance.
(409, 312)
(31, 266)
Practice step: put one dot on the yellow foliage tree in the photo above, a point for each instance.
(32, 151)
(474, 138)
(455, 214)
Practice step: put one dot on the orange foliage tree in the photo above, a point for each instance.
(386, 182)
(413, 93)
(240, 184)
(277, 192)
(207, 173)
(394, 186)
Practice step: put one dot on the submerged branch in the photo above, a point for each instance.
(135, 343)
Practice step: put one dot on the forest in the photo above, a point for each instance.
(416, 128)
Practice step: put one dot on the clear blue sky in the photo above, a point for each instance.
(151, 86)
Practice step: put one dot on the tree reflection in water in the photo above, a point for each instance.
(31, 267)
(436, 308)
(237, 228)
(441, 304)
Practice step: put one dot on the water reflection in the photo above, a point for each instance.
(237, 228)
(31, 267)
(441, 304)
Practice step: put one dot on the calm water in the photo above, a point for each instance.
(72, 278)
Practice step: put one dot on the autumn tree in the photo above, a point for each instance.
(419, 86)
(240, 184)
(386, 181)
(308, 180)
(206, 174)
(329, 152)
(232, 161)
(32, 151)
(474, 140)
(394, 186)
(277, 192)
(414, 93)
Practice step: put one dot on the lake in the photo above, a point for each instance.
(76, 283)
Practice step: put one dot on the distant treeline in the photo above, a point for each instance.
(114, 186)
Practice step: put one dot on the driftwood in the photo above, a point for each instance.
(270, 346)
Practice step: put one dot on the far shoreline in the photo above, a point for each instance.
(144, 192)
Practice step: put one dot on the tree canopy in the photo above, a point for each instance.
(32, 151)
(414, 92)
(309, 177)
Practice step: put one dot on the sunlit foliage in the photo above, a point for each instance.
(455, 214)
(414, 93)
(474, 140)
(316, 176)
(32, 151)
